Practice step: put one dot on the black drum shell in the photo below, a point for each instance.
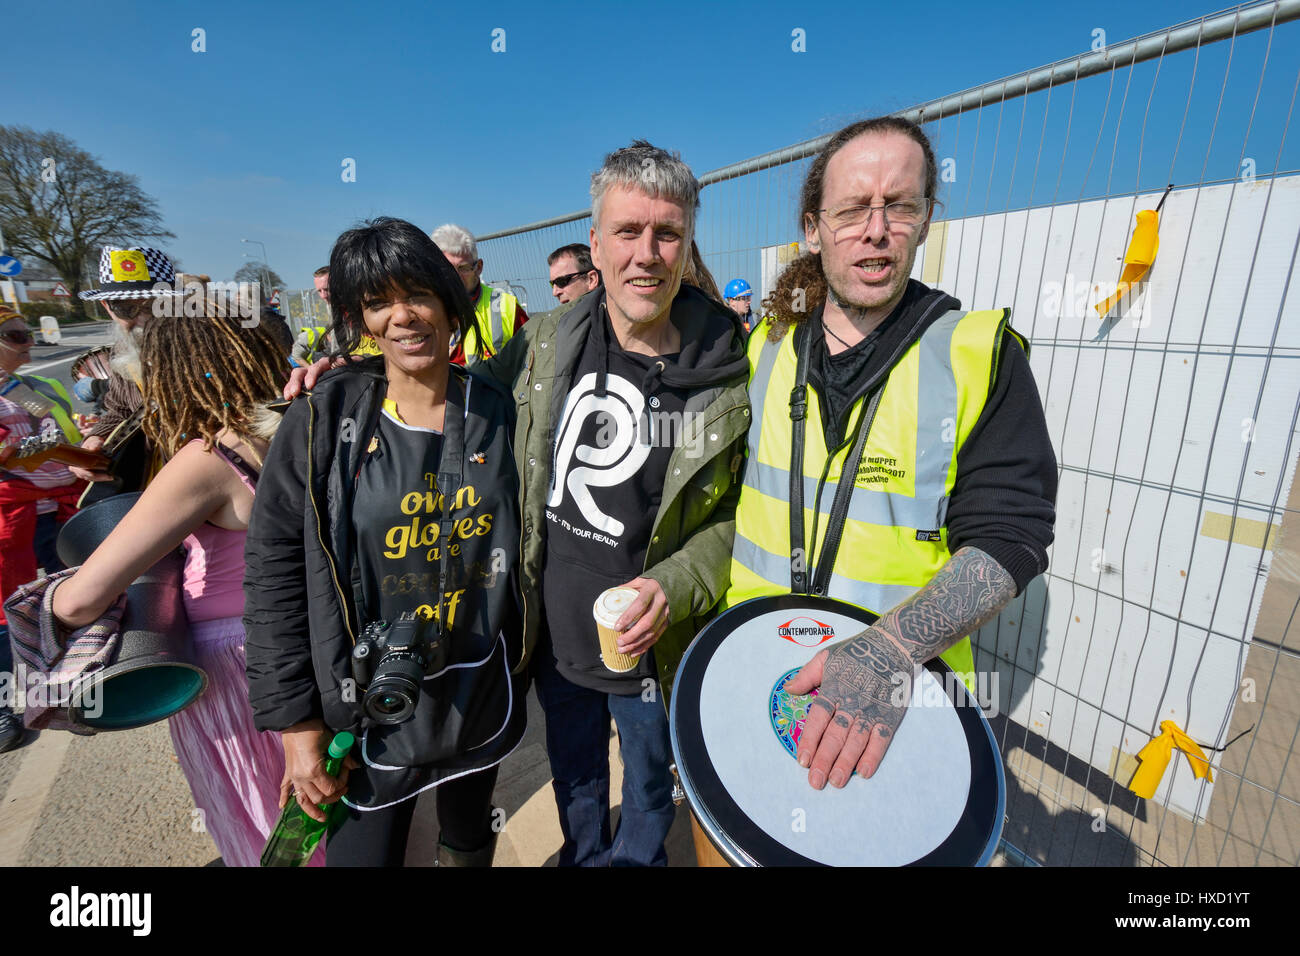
(155, 632)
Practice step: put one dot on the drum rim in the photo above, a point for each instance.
(986, 797)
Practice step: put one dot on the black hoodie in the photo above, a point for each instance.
(1004, 499)
(613, 437)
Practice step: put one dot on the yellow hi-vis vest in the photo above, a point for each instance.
(60, 403)
(894, 537)
(494, 323)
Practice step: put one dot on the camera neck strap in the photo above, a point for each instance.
(451, 476)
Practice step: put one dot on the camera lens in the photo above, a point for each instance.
(389, 705)
(395, 689)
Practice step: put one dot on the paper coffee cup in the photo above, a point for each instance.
(608, 609)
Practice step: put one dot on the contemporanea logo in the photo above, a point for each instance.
(805, 631)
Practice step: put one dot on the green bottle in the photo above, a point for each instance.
(295, 836)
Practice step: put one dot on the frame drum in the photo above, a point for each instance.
(937, 798)
(93, 363)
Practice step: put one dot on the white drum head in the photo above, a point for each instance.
(733, 737)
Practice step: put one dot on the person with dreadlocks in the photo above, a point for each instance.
(208, 379)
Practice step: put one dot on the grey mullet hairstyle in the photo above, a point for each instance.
(654, 171)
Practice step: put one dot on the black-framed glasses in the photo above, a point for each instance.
(904, 213)
(468, 268)
(17, 337)
(561, 281)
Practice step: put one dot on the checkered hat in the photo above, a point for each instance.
(132, 273)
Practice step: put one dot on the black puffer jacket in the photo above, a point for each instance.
(301, 598)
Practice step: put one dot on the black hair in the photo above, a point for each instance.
(381, 254)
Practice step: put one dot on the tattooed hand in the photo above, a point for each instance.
(852, 720)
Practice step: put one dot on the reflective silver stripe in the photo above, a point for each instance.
(758, 386)
(494, 319)
(936, 413)
(770, 567)
(44, 387)
(867, 504)
(926, 508)
(774, 568)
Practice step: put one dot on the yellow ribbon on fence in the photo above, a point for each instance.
(1141, 254)
(1155, 758)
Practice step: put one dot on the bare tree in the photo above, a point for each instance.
(59, 205)
(261, 273)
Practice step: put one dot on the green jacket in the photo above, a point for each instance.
(690, 544)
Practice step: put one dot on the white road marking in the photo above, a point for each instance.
(37, 368)
(25, 799)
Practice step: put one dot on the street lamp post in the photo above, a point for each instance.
(266, 266)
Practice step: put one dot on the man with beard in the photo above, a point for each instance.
(860, 370)
(132, 281)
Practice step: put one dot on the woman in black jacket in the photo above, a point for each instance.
(387, 515)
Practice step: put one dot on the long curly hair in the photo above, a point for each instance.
(801, 288)
(696, 273)
(205, 373)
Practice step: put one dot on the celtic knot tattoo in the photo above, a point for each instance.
(867, 679)
(859, 682)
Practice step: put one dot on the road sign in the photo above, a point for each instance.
(9, 266)
(60, 289)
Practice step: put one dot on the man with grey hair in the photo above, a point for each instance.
(497, 314)
(631, 431)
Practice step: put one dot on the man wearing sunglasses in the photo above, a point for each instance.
(498, 315)
(929, 412)
(132, 282)
(572, 273)
(32, 503)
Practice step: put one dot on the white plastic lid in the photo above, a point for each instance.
(611, 604)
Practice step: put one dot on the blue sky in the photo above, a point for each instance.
(247, 139)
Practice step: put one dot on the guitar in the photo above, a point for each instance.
(126, 458)
(32, 452)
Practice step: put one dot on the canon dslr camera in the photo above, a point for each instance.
(390, 661)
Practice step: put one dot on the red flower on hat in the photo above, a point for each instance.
(128, 266)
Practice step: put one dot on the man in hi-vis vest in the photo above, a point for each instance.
(928, 480)
(497, 315)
